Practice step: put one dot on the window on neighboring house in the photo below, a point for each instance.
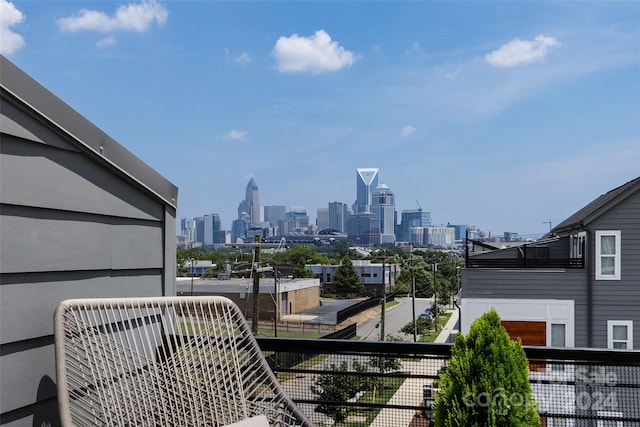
(558, 339)
(607, 255)
(558, 333)
(577, 244)
(620, 334)
(557, 422)
(610, 423)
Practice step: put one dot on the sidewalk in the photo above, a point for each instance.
(410, 393)
(449, 328)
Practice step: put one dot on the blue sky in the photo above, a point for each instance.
(502, 115)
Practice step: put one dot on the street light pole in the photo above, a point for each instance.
(191, 262)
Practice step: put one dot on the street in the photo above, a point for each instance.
(396, 317)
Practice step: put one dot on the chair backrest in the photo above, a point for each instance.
(163, 361)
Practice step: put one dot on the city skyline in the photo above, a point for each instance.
(504, 115)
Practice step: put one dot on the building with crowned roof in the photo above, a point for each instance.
(251, 204)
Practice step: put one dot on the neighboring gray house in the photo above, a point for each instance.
(579, 286)
(80, 217)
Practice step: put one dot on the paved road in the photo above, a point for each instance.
(396, 317)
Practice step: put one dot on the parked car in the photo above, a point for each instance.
(426, 314)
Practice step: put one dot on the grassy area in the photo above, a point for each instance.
(391, 304)
(381, 395)
(432, 335)
(283, 333)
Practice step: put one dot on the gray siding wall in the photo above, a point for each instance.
(71, 226)
(611, 299)
(558, 284)
(618, 299)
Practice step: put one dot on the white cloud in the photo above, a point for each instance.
(106, 42)
(237, 135)
(243, 58)
(521, 52)
(452, 75)
(10, 16)
(132, 17)
(408, 131)
(314, 54)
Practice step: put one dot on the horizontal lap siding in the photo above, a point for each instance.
(619, 299)
(39, 175)
(29, 299)
(71, 226)
(570, 284)
(68, 242)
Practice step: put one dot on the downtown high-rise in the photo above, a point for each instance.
(250, 206)
(366, 183)
(384, 208)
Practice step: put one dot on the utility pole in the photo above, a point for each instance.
(384, 300)
(256, 285)
(413, 299)
(276, 303)
(435, 294)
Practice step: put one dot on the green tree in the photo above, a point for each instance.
(423, 325)
(339, 386)
(345, 280)
(487, 380)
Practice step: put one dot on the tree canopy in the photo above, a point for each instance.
(345, 280)
(487, 380)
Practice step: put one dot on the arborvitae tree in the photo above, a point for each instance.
(487, 380)
(345, 280)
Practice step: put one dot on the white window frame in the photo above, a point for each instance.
(600, 423)
(616, 256)
(628, 324)
(577, 244)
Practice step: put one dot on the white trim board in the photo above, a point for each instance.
(533, 310)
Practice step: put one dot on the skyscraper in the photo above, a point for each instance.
(322, 218)
(338, 216)
(251, 204)
(212, 232)
(366, 183)
(413, 219)
(383, 207)
(274, 214)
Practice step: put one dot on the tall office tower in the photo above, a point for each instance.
(274, 214)
(366, 183)
(413, 218)
(211, 229)
(188, 228)
(239, 228)
(383, 206)
(362, 229)
(322, 218)
(251, 204)
(338, 216)
(199, 234)
(296, 222)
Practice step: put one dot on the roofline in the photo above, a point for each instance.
(581, 224)
(83, 133)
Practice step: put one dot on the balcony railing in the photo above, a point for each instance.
(370, 383)
(523, 262)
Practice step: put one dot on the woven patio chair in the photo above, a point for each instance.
(164, 361)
